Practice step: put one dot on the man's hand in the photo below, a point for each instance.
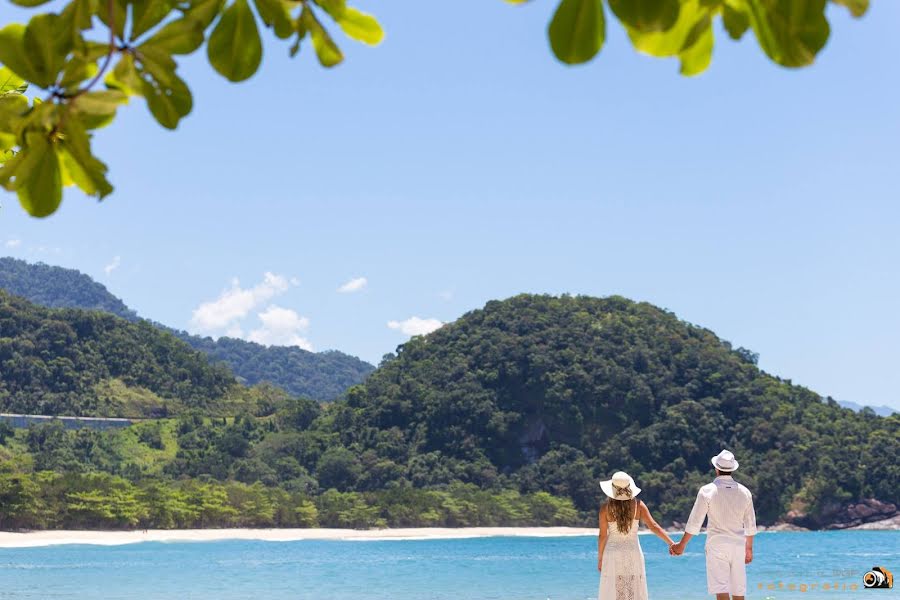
(677, 549)
(748, 555)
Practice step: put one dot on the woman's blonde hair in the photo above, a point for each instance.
(622, 512)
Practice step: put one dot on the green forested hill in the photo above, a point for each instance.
(553, 393)
(510, 415)
(56, 287)
(77, 362)
(321, 376)
(318, 375)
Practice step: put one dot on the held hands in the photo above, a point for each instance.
(676, 549)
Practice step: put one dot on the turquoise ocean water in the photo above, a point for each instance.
(501, 568)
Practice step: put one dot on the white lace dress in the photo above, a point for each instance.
(623, 576)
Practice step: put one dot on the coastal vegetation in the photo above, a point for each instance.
(317, 375)
(509, 415)
(90, 58)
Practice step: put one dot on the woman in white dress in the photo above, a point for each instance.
(619, 556)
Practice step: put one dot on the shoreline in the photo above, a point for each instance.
(34, 539)
(37, 539)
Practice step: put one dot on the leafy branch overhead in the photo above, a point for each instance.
(79, 82)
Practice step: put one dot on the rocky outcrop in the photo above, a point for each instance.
(853, 515)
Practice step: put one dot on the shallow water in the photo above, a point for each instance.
(502, 568)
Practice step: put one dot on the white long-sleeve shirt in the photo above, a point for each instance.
(729, 506)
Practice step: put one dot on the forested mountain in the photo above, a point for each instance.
(553, 393)
(883, 410)
(321, 376)
(318, 375)
(91, 363)
(510, 415)
(56, 287)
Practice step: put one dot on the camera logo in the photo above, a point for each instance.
(878, 577)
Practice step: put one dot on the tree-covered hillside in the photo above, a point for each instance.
(554, 393)
(510, 415)
(321, 376)
(90, 363)
(56, 287)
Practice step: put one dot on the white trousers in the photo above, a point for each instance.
(726, 572)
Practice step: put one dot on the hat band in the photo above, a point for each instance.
(621, 491)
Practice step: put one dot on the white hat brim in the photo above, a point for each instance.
(734, 468)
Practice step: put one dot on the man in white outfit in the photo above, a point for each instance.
(729, 532)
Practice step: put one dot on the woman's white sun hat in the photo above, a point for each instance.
(724, 461)
(620, 487)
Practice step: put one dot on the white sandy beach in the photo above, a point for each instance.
(114, 538)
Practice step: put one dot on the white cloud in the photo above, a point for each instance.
(235, 303)
(112, 266)
(415, 326)
(281, 327)
(354, 285)
(13, 243)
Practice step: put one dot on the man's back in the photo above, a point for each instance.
(729, 507)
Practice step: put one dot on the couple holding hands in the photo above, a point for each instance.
(726, 504)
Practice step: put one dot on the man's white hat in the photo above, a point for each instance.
(620, 487)
(724, 461)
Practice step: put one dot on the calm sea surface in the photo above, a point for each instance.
(474, 569)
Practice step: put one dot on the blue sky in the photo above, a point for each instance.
(458, 162)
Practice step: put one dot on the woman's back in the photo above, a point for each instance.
(623, 576)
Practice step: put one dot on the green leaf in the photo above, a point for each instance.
(10, 83)
(577, 31)
(35, 176)
(12, 108)
(119, 15)
(125, 77)
(857, 8)
(168, 97)
(97, 109)
(178, 37)
(790, 32)
(47, 46)
(79, 14)
(646, 15)
(327, 51)
(79, 166)
(147, 14)
(12, 52)
(677, 39)
(234, 48)
(275, 13)
(696, 57)
(735, 20)
(75, 71)
(334, 8)
(204, 11)
(361, 27)
(29, 3)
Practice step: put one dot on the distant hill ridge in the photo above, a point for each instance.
(77, 362)
(321, 376)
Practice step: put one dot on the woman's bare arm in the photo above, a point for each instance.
(601, 539)
(648, 520)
